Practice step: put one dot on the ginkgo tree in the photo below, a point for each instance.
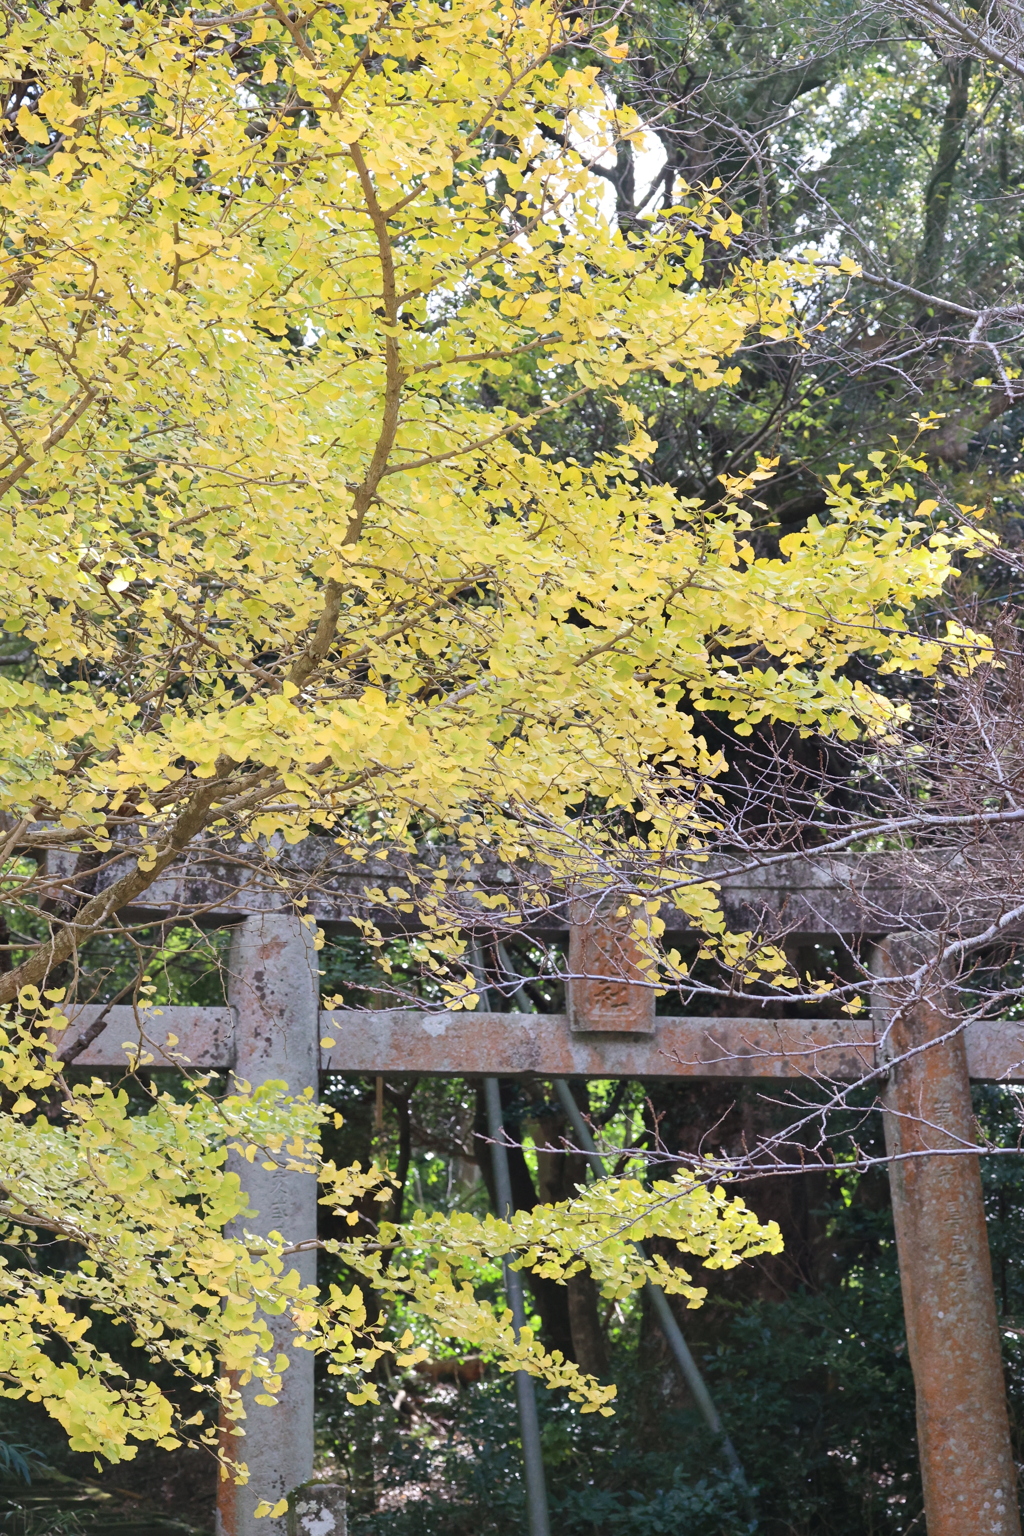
(278, 558)
(273, 557)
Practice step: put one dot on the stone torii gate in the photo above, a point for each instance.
(271, 1028)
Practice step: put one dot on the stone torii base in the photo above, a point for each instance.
(271, 1029)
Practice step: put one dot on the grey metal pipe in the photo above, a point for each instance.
(533, 1463)
(688, 1367)
(537, 1519)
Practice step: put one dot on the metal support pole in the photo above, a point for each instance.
(273, 989)
(533, 1463)
(970, 1482)
(688, 1367)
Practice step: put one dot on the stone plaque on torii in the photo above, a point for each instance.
(272, 1025)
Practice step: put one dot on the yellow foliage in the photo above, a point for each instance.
(148, 1203)
(273, 555)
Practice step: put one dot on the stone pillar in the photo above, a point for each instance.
(317, 1509)
(970, 1481)
(273, 991)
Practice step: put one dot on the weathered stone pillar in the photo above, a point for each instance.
(970, 1481)
(273, 990)
(318, 1509)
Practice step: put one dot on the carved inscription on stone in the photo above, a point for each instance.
(605, 991)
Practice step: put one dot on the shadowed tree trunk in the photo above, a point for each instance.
(559, 1176)
(550, 1299)
(939, 189)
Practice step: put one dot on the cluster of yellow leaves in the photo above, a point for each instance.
(147, 1202)
(599, 1230)
(144, 1198)
(275, 558)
